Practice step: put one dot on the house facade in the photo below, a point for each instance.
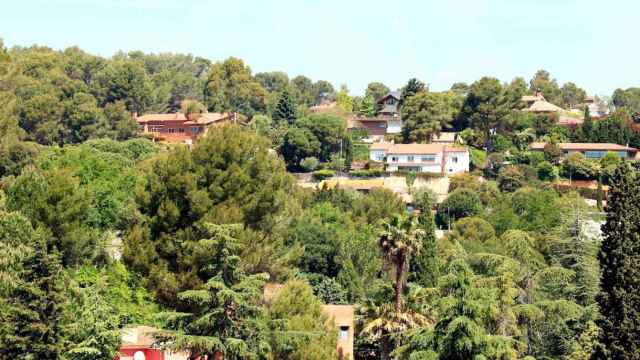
(178, 128)
(137, 343)
(431, 158)
(592, 151)
(386, 121)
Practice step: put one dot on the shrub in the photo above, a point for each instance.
(576, 166)
(309, 163)
(323, 174)
(552, 153)
(510, 178)
(546, 171)
(459, 204)
(534, 158)
(478, 158)
(367, 173)
(495, 162)
(463, 180)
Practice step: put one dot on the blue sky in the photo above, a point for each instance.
(593, 43)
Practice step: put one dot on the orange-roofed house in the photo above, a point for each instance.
(590, 150)
(178, 128)
(432, 158)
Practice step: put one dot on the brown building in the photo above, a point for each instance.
(178, 128)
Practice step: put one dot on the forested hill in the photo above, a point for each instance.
(102, 229)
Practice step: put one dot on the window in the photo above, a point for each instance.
(622, 154)
(428, 158)
(181, 130)
(454, 159)
(410, 158)
(195, 129)
(394, 159)
(382, 125)
(344, 332)
(594, 154)
(172, 130)
(379, 157)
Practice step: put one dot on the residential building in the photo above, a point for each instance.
(343, 318)
(590, 150)
(538, 104)
(432, 158)
(323, 107)
(597, 109)
(138, 344)
(386, 121)
(178, 128)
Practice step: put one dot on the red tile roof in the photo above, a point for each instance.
(204, 119)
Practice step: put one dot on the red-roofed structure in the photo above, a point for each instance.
(178, 128)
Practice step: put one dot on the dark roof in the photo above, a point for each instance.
(393, 94)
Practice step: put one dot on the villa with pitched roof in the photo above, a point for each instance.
(178, 128)
(432, 158)
(386, 121)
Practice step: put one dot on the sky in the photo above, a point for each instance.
(595, 44)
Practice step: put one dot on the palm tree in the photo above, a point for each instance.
(399, 239)
(384, 322)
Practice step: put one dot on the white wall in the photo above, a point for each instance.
(377, 155)
(461, 165)
(394, 126)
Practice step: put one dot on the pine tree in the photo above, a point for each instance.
(35, 309)
(619, 258)
(285, 109)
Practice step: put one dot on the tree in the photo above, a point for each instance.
(413, 87)
(572, 95)
(95, 332)
(274, 81)
(398, 241)
(33, 304)
(628, 98)
(285, 110)
(543, 82)
(230, 87)
(300, 330)
(344, 100)
(239, 180)
(587, 125)
(483, 108)
(619, 259)
(125, 80)
(510, 178)
(460, 203)
(367, 107)
(425, 114)
(303, 90)
(376, 90)
(322, 90)
(192, 109)
(224, 315)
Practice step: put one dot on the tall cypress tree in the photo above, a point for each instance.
(619, 258)
(587, 125)
(285, 109)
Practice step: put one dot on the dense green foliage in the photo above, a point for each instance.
(100, 230)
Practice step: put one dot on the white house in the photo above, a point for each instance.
(433, 158)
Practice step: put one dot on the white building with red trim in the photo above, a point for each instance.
(432, 158)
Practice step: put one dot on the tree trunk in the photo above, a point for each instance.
(399, 273)
(385, 344)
